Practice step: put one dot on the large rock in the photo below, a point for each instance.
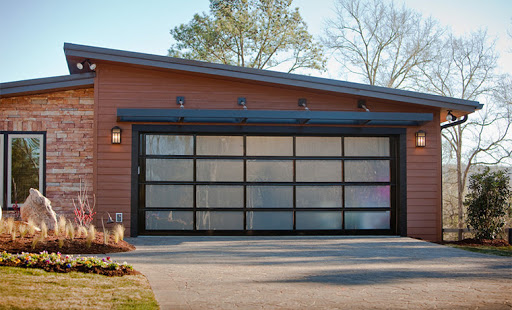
(38, 209)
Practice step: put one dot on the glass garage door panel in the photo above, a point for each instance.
(220, 196)
(367, 220)
(269, 196)
(169, 145)
(169, 220)
(269, 146)
(318, 197)
(367, 196)
(220, 220)
(318, 146)
(366, 146)
(169, 169)
(269, 220)
(318, 220)
(318, 170)
(220, 170)
(367, 171)
(220, 145)
(169, 196)
(269, 170)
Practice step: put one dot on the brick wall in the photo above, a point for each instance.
(67, 117)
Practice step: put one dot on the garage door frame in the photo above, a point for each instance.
(400, 228)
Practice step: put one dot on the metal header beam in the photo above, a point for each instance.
(272, 117)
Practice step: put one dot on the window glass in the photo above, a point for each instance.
(220, 170)
(269, 170)
(367, 220)
(169, 169)
(318, 146)
(25, 166)
(265, 220)
(318, 196)
(269, 146)
(169, 196)
(220, 220)
(219, 196)
(367, 197)
(366, 146)
(318, 220)
(169, 145)
(318, 170)
(169, 220)
(220, 145)
(269, 196)
(367, 170)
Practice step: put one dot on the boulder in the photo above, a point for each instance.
(38, 209)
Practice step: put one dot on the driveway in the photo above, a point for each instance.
(319, 273)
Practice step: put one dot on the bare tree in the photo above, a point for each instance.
(464, 68)
(380, 42)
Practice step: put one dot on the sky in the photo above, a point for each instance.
(33, 32)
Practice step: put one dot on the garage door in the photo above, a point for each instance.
(267, 184)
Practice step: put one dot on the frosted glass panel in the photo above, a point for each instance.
(269, 197)
(169, 196)
(223, 170)
(318, 220)
(367, 197)
(269, 146)
(367, 220)
(220, 220)
(318, 196)
(263, 220)
(218, 196)
(269, 170)
(318, 146)
(169, 169)
(367, 170)
(169, 220)
(169, 145)
(366, 146)
(220, 145)
(318, 170)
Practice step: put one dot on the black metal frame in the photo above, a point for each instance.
(397, 174)
(3, 200)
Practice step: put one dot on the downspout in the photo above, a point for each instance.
(461, 121)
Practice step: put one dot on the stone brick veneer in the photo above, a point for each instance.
(67, 117)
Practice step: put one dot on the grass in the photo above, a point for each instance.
(37, 289)
(499, 251)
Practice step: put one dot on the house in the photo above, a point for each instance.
(174, 146)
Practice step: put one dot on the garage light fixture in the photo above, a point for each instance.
(116, 135)
(450, 117)
(80, 65)
(421, 138)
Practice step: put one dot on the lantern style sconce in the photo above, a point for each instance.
(421, 138)
(116, 135)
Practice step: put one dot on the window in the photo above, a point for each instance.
(22, 156)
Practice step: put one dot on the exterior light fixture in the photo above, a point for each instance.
(303, 102)
(80, 65)
(421, 138)
(180, 100)
(450, 117)
(116, 135)
(242, 101)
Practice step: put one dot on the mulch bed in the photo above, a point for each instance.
(483, 242)
(75, 246)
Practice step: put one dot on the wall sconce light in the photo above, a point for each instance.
(80, 65)
(116, 135)
(303, 102)
(180, 100)
(450, 117)
(242, 101)
(421, 138)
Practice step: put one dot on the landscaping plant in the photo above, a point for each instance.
(84, 210)
(488, 201)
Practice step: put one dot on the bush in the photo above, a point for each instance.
(488, 201)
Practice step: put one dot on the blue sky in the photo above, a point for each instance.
(33, 32)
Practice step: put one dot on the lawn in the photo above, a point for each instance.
(37, 289)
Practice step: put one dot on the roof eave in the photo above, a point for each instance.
(44, 85)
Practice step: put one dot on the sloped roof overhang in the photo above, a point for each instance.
(272, 117)
(35, 86)
(77, 53)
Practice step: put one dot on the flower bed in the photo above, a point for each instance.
(56, 262)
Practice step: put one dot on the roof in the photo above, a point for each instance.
(77, 53)
(85, 78)
(34, 86)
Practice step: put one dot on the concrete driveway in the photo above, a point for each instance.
(319, 273)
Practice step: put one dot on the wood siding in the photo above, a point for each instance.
(132, 87)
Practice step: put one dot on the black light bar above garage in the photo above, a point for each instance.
(272, 117)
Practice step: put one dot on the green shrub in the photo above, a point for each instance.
(488, 201)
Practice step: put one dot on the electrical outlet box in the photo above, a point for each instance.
(119, 217)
